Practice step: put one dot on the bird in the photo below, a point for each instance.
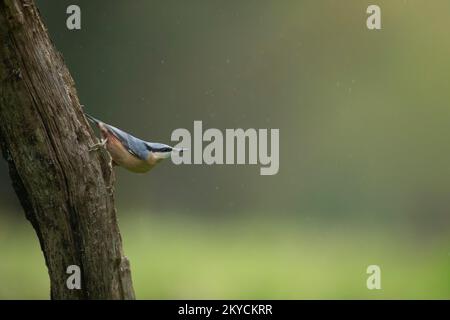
(129, 152)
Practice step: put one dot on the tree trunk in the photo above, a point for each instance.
(65, 189)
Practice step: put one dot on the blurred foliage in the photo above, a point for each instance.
(173, 257)
(364, 128)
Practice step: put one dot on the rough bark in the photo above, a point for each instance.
(65, 189)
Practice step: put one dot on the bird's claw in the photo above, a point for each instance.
(99, 145)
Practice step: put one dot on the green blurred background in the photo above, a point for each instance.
(364, 146)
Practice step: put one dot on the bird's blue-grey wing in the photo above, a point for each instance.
(134, 146)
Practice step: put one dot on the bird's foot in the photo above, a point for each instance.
(99, 145)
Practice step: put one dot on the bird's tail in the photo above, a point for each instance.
(92, 119)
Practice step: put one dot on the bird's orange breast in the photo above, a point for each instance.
(125, 159)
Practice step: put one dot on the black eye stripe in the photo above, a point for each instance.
(165, 149)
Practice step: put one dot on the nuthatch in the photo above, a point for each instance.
(130, 152)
